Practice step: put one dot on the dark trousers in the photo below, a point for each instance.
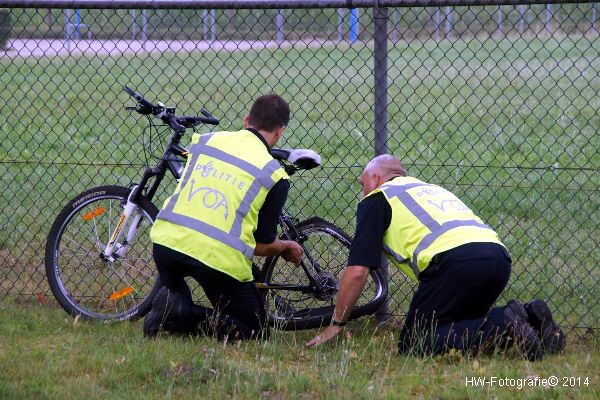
(451, 308)
(237, 308)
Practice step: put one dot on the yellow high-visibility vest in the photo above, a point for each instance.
(426, 220)
(213, 213)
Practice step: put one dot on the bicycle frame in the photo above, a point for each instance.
(170, 161)
(286, 222)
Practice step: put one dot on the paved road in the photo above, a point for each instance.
(19, 48)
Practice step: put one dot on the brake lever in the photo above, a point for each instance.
(290, 169)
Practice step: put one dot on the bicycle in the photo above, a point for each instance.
(99, 259)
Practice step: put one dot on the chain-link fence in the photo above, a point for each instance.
(499, 104)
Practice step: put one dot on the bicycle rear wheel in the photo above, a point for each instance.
(81, 280)
(328, 245)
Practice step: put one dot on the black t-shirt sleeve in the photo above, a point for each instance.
(268, 216)
(373, 217)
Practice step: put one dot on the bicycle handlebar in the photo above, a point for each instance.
(167, 115)
(173, 122)
(139, 98)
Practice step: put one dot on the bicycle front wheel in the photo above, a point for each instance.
(328, 246)
(82, 281)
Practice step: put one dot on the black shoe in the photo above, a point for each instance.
(540, 317)
(165, 309)
(521, 332)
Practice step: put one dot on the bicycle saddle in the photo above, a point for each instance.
(301, 158)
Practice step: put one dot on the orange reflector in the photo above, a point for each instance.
(95, 213)
(121, 293)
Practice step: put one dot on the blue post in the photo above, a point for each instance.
(522, 12)
(67, 24)
(213, 25)
(448, 21)
(339, 25)
(144, 23)
(437, 24)
(133, 24)
(77, 22)
(279, 26)
(395, 37)
(500, 19)
(353, 24)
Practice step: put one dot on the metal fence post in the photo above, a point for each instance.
(380, 70)
(548, 17)
(395, 22)
(133, 24)
(144, 24)
(279, 26)
(448, 21)
(68, 29)
(522, 14)
(67, 21)
(77, 23)
(205, 25)
(354, 24)
(213, 25)
(500, 20)
(340, 21)
(380, 75)
(437, 24)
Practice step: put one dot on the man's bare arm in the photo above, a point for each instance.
(288, 249)
(352, 285)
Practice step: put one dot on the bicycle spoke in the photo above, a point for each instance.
(137, 269)
(115, 303)
(81, 253)
(87, 253)
(98, 242)
(123, 278)
(74, 242)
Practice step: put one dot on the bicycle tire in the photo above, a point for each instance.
(332, 256)
(81, 281)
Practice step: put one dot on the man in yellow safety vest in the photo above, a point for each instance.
(459, 261)
(224, 211)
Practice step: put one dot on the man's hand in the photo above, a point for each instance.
(328, 334)
(351, 286)
(288, 249)
(292, 252)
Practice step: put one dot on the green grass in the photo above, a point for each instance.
(509, 125)
(46, 354)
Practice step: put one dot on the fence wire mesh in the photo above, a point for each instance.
(497, 104)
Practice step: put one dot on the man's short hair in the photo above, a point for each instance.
(269, 112)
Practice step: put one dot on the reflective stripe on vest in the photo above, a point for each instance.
(398, 258)
(208, 230)
(436, 229)
(231, 238)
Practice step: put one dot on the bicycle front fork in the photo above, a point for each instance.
(114, 249)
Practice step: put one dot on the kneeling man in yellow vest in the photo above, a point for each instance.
(459, 261)
(224, 211)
